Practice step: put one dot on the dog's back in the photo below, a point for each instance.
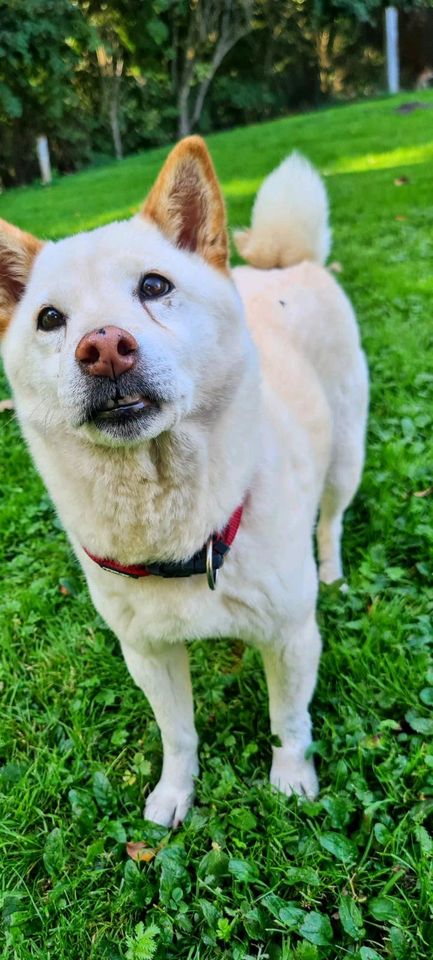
(307, 335)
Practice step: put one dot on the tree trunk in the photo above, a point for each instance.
(184, 124)
(228, 29)
(220, 52)
(114, 118)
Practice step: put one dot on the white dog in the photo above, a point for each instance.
(168, 428)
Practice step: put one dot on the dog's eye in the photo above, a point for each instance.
(50, 319)
(153, 286)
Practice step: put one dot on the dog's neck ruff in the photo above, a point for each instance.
(207, 561)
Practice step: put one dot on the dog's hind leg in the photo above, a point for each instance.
(329, 530)
(340, 487)
(291, 671)
(344, 473)
(162, 672)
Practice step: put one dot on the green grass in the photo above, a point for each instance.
(250, 874)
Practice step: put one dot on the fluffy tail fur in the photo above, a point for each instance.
(290, 218)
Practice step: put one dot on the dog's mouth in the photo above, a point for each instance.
(124, 408)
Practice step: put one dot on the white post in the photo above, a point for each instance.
(44, 159)
(392, 57)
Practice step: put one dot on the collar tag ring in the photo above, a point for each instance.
(211, 574)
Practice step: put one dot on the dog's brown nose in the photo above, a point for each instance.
(107, 352)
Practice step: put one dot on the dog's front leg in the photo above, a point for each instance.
(291, 670)
(162, 672)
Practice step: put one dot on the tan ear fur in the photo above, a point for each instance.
(17, 252)
(187, 205)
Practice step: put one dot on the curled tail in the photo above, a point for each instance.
(290, 218)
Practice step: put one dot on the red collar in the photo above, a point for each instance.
(207, 560)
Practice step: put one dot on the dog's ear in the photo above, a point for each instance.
(187, 205)
(17, 252)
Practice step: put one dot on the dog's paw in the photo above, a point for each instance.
(293, 775)
(168, 806)
(330, 572)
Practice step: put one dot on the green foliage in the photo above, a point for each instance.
(249, 873)
(351, 918)
(142, 945)
(53, 855)
(101, 78)
(38, 90)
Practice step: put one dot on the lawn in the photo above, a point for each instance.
(250, 874)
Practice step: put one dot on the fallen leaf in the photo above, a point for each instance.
(67, 588)
(336, 266)
(7, 404)
(400, 218)
(423, 493)
(140, 851)
(400, 181)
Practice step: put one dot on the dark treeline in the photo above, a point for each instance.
(104, 79)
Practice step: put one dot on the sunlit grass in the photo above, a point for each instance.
(241, 188)
(391, 159)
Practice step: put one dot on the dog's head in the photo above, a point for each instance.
(121, 333)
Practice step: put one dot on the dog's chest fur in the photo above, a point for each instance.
(126, 508)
